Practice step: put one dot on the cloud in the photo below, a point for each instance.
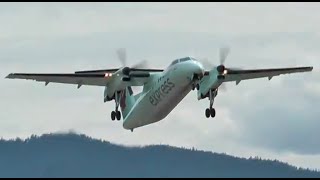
(50, 20)
(283, 118)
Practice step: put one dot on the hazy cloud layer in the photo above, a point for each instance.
(273, 119)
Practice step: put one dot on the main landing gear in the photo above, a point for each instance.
(211, 111)
(116, 114)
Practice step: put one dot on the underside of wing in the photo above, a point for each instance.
(239, 75)
(213, 79)
(79, 79)
(90, 79)
(102, 71)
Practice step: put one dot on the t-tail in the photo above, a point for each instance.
(127, 101)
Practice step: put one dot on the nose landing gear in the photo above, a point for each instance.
(195, 82)
(195, 86)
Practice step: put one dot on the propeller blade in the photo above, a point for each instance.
(141, 65)
(223, 54)
(206, 63)
(122, 55)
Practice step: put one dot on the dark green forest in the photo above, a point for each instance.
(74, 155)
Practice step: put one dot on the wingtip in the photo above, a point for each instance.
(310, 68)
(9, 76)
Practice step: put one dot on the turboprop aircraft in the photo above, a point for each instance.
(163, 89)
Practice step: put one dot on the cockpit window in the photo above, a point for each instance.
(181, 60)
(193, 59)
(185, 59)
(175, 62)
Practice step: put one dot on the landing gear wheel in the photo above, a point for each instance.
(208, 113)
(113, 115)
(195, 87)
(212, 112)
(118, 115)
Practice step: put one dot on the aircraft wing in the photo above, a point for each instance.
(114, 70)
(239, 75)
(92, 78)
(79, 79)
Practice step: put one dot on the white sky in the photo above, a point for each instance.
(272, 119)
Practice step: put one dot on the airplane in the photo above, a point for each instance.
(163, 89)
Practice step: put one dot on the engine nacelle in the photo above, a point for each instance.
(126, 79)
(221, 77)
(106, 96)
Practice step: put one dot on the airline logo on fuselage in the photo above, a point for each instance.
(157, 96)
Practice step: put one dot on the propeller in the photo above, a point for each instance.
(224, 52)
(222, 70)
(206, 63)
(141, 65)
(122, 56)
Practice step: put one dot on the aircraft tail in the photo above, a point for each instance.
(127, 101)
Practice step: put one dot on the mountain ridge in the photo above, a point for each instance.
(78, 155)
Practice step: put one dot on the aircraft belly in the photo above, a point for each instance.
(167, 106)
(147, 112)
